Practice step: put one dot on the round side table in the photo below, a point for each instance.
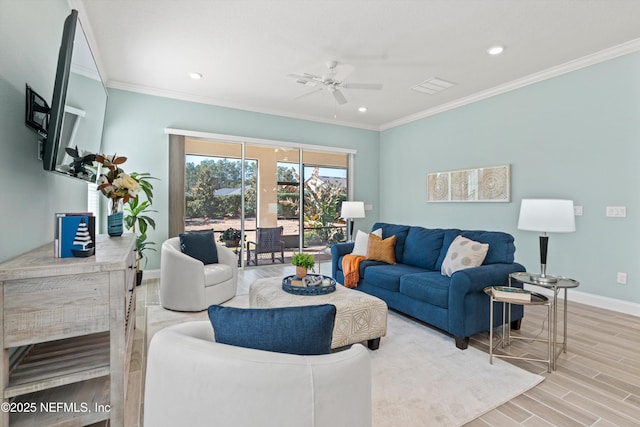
(536, 299)
(559, 283)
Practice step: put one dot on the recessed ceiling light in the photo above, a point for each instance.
(362, 109)
(195, 76)
(495, 50)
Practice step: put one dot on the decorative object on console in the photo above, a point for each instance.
(82, 238)
(351, 211)
(118, 187)
(66, 228)
(303, 263)
(489, 184)
(546, 215)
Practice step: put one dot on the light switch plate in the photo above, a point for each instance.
(616, 211)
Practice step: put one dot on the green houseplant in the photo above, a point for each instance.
(303, 262)
(137, 220)
(231, 237)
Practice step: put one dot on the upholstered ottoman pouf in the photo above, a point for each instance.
(359, 316)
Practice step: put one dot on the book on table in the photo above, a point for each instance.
(508, 292)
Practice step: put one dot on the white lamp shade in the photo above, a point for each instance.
(547, 215)
(352, 210)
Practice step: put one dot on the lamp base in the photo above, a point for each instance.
(539, 278)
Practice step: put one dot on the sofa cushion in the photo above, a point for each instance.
(304, 330)
(388, 276)
(200, 245)
(362, 242)
(431, 287)
(400, 231)
(380, 249)
(463, 253)
(422, 247)
(501, 247)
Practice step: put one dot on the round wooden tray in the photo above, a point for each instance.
(308, 289)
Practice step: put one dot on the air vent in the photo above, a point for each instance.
(433, 86)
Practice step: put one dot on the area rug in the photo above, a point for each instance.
(419, 377)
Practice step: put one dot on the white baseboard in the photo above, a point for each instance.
(151, 274)
(599, 301)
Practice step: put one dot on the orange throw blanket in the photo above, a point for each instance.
(351, 269)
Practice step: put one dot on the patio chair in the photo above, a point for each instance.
(268, 241)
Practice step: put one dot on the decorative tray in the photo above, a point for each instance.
(311, 284)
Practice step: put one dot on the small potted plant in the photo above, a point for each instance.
(303, 262)
(231, 237)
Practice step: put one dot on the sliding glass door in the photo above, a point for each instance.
(243, 191)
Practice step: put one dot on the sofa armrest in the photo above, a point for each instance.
(338, 250)
(476, 279)
(468, 304)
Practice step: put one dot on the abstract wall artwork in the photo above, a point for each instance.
(490, 184)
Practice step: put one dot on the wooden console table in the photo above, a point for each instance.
(67, 335)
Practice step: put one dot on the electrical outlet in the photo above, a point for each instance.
(577, 210)
(622, 278)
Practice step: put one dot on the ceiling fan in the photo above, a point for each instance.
(332, 81)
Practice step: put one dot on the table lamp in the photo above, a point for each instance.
(546, 216)
(351, 210)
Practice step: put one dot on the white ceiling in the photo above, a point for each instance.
(246, 48)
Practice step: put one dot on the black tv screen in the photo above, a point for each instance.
(78, 106)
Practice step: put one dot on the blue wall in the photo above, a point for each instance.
(575, 136)
(30, 34)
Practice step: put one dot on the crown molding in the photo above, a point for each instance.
(147, 90)
(586, 61)
(577, 64)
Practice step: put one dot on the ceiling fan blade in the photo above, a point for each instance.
(307, 79)
(340, 99)
(368, 86)
(308, 93)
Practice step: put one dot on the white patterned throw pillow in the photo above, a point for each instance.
(463, 253)
(362, 242)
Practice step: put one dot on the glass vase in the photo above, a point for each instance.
(115, 218)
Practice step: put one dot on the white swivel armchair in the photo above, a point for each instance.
(186, 284)
(193, 381)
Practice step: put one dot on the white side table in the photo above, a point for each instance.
(560, 283)
(536, 299)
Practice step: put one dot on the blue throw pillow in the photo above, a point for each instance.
(295, 330)
(200, 245)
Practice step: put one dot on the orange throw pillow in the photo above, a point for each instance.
(381, 249)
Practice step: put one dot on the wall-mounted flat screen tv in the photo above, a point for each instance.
(78, 106)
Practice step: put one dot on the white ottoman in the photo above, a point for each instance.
(359, 316)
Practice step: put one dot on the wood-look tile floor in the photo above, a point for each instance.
(596, 383)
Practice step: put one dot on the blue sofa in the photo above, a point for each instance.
(416, 287)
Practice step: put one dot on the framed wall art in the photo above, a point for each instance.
(488, 184)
